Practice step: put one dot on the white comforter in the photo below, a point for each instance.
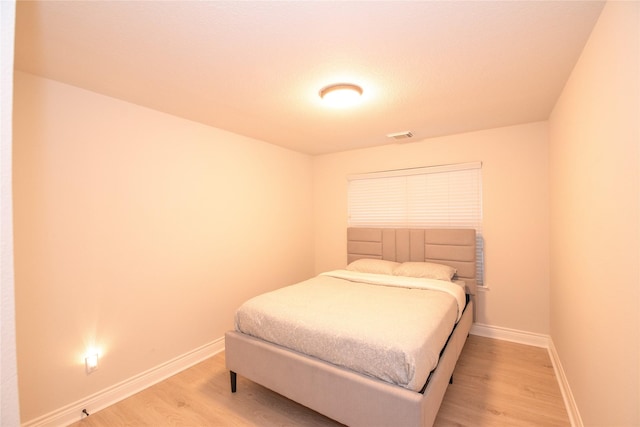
(387, 327)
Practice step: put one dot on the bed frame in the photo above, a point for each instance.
(349, 397)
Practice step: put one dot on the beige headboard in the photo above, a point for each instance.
(453, 247)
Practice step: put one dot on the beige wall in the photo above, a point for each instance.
(515, 208)
(595, 215)
(141, 233)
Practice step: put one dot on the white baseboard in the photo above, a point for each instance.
(567, 396)
(537, 340)
(100, 400)
(513, 335)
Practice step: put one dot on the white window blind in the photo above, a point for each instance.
(447, 196)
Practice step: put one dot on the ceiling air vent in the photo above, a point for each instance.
(400, 135)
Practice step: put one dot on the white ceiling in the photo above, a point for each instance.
(255, 67)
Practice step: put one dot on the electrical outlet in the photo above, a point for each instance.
(91, 363)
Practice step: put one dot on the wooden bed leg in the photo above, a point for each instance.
(233, 377)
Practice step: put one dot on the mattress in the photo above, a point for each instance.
(387, 327)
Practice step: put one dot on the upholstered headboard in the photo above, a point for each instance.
(453, 247)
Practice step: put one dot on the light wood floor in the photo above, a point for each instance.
(496, 383)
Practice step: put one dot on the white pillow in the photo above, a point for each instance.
(425, 269)
(377, 266)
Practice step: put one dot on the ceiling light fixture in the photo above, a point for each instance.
(341, 95)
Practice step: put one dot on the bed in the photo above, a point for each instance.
(343, 392)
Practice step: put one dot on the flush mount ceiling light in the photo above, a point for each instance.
(341, 95)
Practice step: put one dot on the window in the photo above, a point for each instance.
(439, 196)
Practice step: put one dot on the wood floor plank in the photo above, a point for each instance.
(496, 383)
(499, 383)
